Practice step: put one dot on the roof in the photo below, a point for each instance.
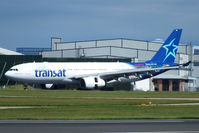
(8, 52)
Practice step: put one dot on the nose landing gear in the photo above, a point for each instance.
(25, 86)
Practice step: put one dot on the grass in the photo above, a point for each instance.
(102, 112)
(105, 94)
(81, 105)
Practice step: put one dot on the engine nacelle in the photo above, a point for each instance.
(92, 83)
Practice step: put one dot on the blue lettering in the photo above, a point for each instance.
(39, 73)
(50, 73)
(36, 73)
(64, 73)
(54, 74)
(44, 74)
(60, 73)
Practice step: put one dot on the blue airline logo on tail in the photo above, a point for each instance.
(171, 49)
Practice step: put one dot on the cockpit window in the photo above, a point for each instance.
(12, 69)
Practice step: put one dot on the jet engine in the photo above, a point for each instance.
(92, 83)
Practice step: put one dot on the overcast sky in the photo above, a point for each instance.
(31, 23)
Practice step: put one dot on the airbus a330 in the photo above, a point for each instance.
(93, 75)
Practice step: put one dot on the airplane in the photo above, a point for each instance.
(92, 75)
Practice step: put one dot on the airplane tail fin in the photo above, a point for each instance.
(167, 52)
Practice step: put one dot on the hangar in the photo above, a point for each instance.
(136, 51)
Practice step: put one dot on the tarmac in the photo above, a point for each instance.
(99, 126)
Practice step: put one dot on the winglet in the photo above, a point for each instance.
(186, 64)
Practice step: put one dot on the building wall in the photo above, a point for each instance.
(128, 47)
(135, 44)
(54, 42)
(65, 46)
(195, 64)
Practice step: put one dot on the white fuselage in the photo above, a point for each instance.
(58, 73)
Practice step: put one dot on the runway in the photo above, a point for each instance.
(98, 126)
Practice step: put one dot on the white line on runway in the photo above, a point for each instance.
(15, 107)
(25, 107)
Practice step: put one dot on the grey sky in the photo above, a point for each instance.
(31, 23)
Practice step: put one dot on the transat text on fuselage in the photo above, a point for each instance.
(50, 73)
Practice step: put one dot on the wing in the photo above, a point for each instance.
(127, 72)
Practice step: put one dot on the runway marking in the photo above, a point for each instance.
(180, 104)
(15, 96)
(25, 107)
(15, 107)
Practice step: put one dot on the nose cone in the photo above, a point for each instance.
(8, 75)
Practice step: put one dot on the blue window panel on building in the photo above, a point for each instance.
(32, 51)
